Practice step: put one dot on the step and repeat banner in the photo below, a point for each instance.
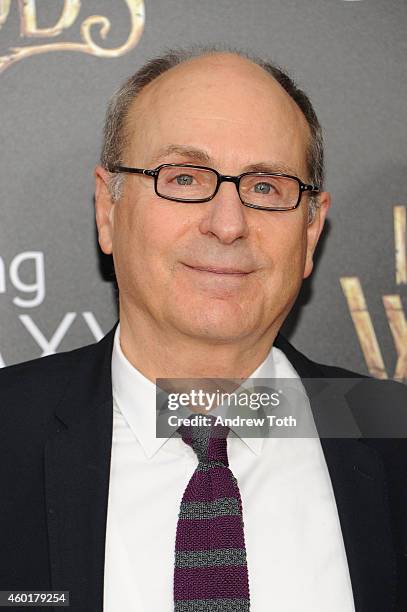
(61, 60)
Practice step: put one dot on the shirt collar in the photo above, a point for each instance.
(134, 395)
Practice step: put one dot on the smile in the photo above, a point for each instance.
(218, 270)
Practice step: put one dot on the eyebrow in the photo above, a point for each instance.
(192, 153)
(198, 155)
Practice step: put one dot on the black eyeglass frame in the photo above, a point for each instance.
(303, 187)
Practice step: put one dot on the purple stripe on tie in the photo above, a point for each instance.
(209, 534)
(210, 485)
(229, 581)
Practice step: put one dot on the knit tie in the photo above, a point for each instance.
(210, 556)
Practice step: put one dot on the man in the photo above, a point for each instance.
(209, 260)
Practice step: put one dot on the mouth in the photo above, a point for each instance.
(220, 270)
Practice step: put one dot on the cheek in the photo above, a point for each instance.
(284, 247)
(146, 234)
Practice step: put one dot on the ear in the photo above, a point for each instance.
(314, 230)
(104, 207)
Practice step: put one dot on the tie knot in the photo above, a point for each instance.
(207, 440)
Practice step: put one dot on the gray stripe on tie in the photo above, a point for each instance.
(200, 441)
(210, 558)
(212, 605)
(224, 506)
(205, 466)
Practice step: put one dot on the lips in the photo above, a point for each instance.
(219, 269)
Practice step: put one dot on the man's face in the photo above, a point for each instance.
(217, 271)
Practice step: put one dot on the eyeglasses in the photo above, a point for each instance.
(189, 183)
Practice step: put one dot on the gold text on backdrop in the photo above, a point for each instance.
(70, 12)
(393, 307)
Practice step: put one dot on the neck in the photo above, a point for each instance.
(166, 353)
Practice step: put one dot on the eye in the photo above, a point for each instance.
(184, 179)
(263, 187)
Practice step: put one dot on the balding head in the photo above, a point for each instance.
(226, 93)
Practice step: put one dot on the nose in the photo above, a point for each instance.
(225, 215)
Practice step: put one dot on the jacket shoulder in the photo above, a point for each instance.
(330, 371)
(368, 387)
(307, 368)
(35, 386)
(386, 398)
(44, 365)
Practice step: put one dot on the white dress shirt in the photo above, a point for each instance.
(295, 553)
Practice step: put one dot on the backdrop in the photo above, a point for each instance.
(59, 63)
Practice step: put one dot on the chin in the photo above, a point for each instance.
(217, 322)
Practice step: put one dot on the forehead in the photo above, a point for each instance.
(223, 104)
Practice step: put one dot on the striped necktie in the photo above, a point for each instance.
(210, 572)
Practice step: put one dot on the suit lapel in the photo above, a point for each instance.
(359, 486)
(77, 470)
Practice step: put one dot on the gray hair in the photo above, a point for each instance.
(116, 139)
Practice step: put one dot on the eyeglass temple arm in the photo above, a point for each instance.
(117, 169)
(312, 188)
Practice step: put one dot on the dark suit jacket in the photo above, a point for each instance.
(55, 447)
